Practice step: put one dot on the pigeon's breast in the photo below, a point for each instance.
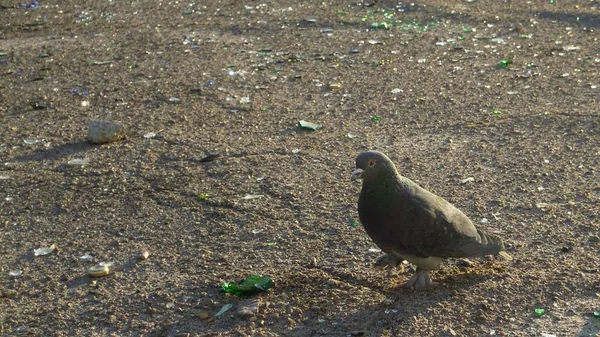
(382, 218)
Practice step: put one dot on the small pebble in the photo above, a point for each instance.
(101, 132)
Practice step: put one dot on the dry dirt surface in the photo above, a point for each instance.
(493, 105)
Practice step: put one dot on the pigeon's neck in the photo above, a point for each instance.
(385, 183)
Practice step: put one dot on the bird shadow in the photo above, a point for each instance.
(399, 307)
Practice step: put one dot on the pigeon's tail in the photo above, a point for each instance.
(494, 243)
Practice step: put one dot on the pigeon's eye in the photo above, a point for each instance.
(372, 163)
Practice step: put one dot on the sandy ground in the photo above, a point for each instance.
(234, 78)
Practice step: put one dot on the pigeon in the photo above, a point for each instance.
(407, 222)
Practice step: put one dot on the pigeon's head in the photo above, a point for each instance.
(372, 164)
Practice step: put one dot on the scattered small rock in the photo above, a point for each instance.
(8, 293)
(144, 255)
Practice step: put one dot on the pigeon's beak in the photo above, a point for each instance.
(356, 174)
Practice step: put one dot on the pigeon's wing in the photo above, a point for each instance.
(434, 227)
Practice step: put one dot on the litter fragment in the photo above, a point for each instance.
(31, 141)
(99, 63)
(539, 312)
(98, 270)
(15, 273)
(335, 86)
(253, 284)
(32, 4)
(101, 132)
(504, 63)
(396, 91)
(44, 250)
(257, 231)
(174, 100)
(571, 48)
(203, 196)
(209, 158)
(4, 177)
(380, 25)
(79, 161)
(309, 125)
(355, 223)
(149, 135)
(296, 151)
(484, 220)
(468, 180)
(37, 105)
(224, 309)
(375, 42)
(86, 258)
(253, 196)
(597, 314)
(548, 335)
(374, 250)
(496, 112)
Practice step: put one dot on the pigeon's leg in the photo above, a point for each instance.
(420, 280)
(390, 263)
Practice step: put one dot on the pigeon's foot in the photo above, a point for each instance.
(421, 280)
(388, 261)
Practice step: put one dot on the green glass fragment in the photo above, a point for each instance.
(539, 312)
(251, 285)
(355, 223)
(597, 314)
(203, 196)
(504, 63)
